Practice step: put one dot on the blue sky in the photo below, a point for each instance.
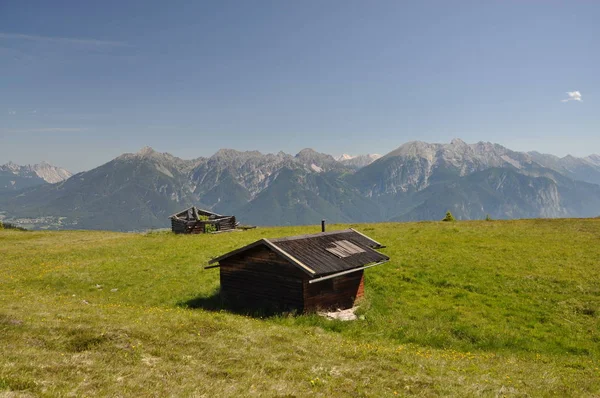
(82, 82)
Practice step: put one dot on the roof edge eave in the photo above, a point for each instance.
(346, 272)
(237, 251)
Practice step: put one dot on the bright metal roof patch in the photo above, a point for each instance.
(344, 248)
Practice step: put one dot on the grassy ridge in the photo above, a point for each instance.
(467, 308)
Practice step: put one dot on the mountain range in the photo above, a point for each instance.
(14, 177)
(417, 181)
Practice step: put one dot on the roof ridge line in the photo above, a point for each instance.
(296, 237)
(287, 255)
(238, 250)
(365, 236)
(197, 208)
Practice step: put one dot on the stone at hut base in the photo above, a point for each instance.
(342, 315)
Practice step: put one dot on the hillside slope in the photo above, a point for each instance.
(466, 308)
(298, 197)
(503, 193)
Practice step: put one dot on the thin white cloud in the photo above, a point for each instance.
(12, 113)
(45, 130)
(67, 40)
(573, 96)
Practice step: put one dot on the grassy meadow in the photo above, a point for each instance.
(496, 308)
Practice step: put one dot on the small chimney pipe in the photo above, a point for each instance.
(322, 225)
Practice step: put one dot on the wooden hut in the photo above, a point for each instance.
(302, 273)
(198, 221)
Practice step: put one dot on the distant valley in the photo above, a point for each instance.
(416, 181)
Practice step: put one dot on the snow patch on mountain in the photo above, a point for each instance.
(357, 161)
(343, 157)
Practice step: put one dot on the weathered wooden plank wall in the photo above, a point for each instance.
(182, 226)
(340, 292)
(260, 279)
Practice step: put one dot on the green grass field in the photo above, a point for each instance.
(501, 308)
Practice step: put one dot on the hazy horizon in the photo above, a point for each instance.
(335, 155)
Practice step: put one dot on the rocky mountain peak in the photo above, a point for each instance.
(315, 160)
(594, 159)
(11, 166)
(483, 147)
(306, 152)
(358, 161)
(146, 151)
(228, 154)
(44, 170)
(50, 173)
(343, 157)
(414, 149)
(458, 142)
(163, 161)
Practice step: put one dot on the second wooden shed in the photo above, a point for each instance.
(198, 221)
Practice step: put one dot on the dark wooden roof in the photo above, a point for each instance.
(351, 232)
(323, 253)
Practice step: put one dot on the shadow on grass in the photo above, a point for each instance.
(217, 303)
(213, 302)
